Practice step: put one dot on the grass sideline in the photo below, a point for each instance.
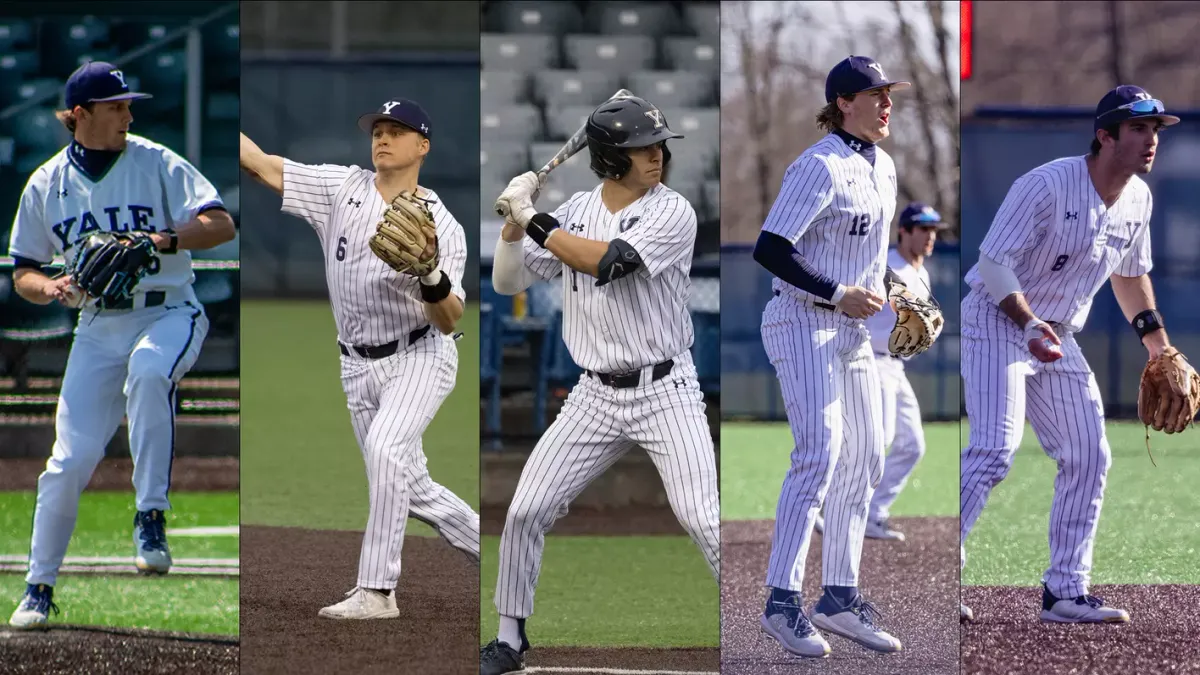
(301, 466)
(610, 592)
(755, 458)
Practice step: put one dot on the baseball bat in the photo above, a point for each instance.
(577, 142)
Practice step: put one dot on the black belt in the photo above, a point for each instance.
(822, 305)
(628, 380)
(153, 299)
(383, 351)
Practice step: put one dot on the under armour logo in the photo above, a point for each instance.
(855, 146)
(387, 107)
(575, 228)
(424, 128)
(120, 77)
(354, 203)
(679, 382)
(1071, 215)
(656, 117)
(877, 68)
(63, 193)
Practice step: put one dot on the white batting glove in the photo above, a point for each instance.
(519, 196)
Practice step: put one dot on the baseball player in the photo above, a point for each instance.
(1064, 228)
(624, 251)
(130, 350)
(394, 324)
(825, 241)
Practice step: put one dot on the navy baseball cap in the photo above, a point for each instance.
(917, 214)
(400, 110)
(1128, 102)
(98, 81)
(857, 74)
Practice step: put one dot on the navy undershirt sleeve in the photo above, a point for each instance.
(777, 255)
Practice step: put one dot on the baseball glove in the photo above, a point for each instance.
(1169, 393)
(406, 236)
(108, 265)
(918, 323)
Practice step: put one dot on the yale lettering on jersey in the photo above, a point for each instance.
(111, 220)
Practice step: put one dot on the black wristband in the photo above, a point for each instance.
(539, 228)
(174, 245)
(437, 292)
(1147, 322)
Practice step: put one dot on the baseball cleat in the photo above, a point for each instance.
(361, 604)
(965, 613)
(854, 621)
(1083, 609)
(497, 658)
(785, 621)
(878, 529)
(152, 556)
(35, 607)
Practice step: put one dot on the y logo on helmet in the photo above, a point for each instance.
(656, 117)
(120, 77)
(877, 68)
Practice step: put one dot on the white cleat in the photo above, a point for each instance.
(35, 608)
(361, 603)
(854, 622)
(151, 553)
(792, 630)
(1083, 609)
(880, 530)
(965, 613)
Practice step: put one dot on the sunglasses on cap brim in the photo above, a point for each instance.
(1145, 107)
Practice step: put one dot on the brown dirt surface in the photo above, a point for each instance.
(623, 521)
(692, 660)
(1007, 635)
(914, 584)
(289, 574)
(70, 650)
(188, 474)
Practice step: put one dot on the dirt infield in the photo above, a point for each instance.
(914, 584)
(288, 574)
(70, 650)
(1007, 636)
(680, 660)
(188, 474)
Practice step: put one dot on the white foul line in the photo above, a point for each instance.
(224, 531)
(615, 671)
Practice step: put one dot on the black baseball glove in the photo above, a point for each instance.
(108, 265)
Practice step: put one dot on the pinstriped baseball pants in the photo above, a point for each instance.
(830, 386)
(596, 427)
(392, 400)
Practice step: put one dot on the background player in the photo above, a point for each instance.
(1082, 220)
(825, 240)
(399, 361)
(630, 329)
(125, 360)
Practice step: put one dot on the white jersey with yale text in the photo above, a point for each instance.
(638, 320)
(372, 304)
(149, 188)
(1054, 231)
(880, 324)
(836, 209)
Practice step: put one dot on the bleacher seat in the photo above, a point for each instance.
(47, 90)
(14, 35)
(504, 160)
(515, 123)
(222, 49)
(224, 106)
(16, 67)
(502, 87)
(554, 18)
(672, 89)
(694, 54)
(558, 89)
(702, 126)
(518, 53)
(612, 53)
(563, 123)
(65, 44)
(633, 18)
(36, 129)
(712, 197)
(130, 34)
(162, 74)
(705, 19)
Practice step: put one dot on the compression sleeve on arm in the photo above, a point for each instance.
(509, 274)
(777, 255)
(999, 280)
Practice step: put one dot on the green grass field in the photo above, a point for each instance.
(1149, 531)
(614, 592)
(755, 457)
(301, 466)
(104, 528)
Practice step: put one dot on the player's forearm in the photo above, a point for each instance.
(32, 285)
(1135, 295)
(1017, 309)
(777, 255)
(581, 255)
(207, 230)
(264, 168)
(445, 313)
(509, 273)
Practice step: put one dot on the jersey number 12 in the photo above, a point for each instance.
(860, 225)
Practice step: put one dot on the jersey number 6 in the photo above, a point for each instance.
(341, 249)
(860, 225)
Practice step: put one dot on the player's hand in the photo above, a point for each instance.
(1042, 341)
(859, 303)
(60, 289)
(518, 198)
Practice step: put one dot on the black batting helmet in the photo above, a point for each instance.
(620, 124)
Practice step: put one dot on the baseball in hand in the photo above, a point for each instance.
(72, 296)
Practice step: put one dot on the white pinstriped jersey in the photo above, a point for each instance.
(148, 188)
(640, 319)
(837, 210)
(1054, 231)
(880, 324)
(372, 303)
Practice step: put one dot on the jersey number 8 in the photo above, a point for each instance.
(860, 225)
